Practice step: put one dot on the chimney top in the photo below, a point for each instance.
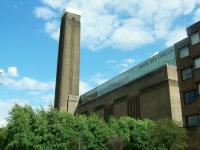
(73, 11)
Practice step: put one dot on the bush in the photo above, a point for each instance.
(29, 129)
(168, 135)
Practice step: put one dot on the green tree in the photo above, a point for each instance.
(40, 129)
(96, 134)
(140, 135)
(135, 134)
(19, 134)
(3, 135)
(168, 135)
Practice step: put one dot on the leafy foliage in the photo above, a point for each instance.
(29, 129)
(167, 136)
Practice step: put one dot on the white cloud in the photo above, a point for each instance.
(175, 36)
(131, 34)
(6, 106)
(12, 72)
(129, 60)
(127, 25)
(197, 15)
(112, 61)
(41, 92)
(98, 79)
(27, 83)
(121, 65)
(44, 13)
(2, 72)
(52, 28)
(48, 98)
(84, 87)
(24, 83)
(56, 4)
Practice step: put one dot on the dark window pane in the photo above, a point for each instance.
(184, 52)
(189, 97)
(187, 73)
(198, 89)
(195, 38)
(193, 121)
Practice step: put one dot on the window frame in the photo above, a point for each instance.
(184, 97)
(186, 69)
(180, 49)
(191, 38)
(198, 120)
(194, 63)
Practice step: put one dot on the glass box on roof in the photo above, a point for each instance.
(165, 57)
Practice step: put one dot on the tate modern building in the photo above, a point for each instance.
(166, 85)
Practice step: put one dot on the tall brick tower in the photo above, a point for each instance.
(67, 79)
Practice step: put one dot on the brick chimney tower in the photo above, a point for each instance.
(68, 66)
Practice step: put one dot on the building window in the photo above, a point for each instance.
(197, 63)
(184, 52)
(187, 73)
(193, 120)
(195, 38)
(198, 89)
(189, 97)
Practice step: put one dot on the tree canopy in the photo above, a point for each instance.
(40, 129)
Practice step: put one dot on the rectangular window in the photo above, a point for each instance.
(195, 38)
(184, 52)
(193, 120)
(197, 63)
(187, 73)
(189, 97)
(198, 89)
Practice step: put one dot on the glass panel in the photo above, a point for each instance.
(165, 57)
(195, 38)
(199, 89)
(189, 97)
(197, 63)
(192, 121)
(187, 73)
(184, 52)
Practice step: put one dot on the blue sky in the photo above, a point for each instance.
(115, 36)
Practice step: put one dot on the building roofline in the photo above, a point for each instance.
(133, 81)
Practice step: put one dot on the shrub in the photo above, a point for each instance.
(29, 129)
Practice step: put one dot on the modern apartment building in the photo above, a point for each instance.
(188, 67)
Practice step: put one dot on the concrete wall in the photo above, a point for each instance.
(150, 97)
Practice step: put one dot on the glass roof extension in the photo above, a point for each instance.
(165, 57)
